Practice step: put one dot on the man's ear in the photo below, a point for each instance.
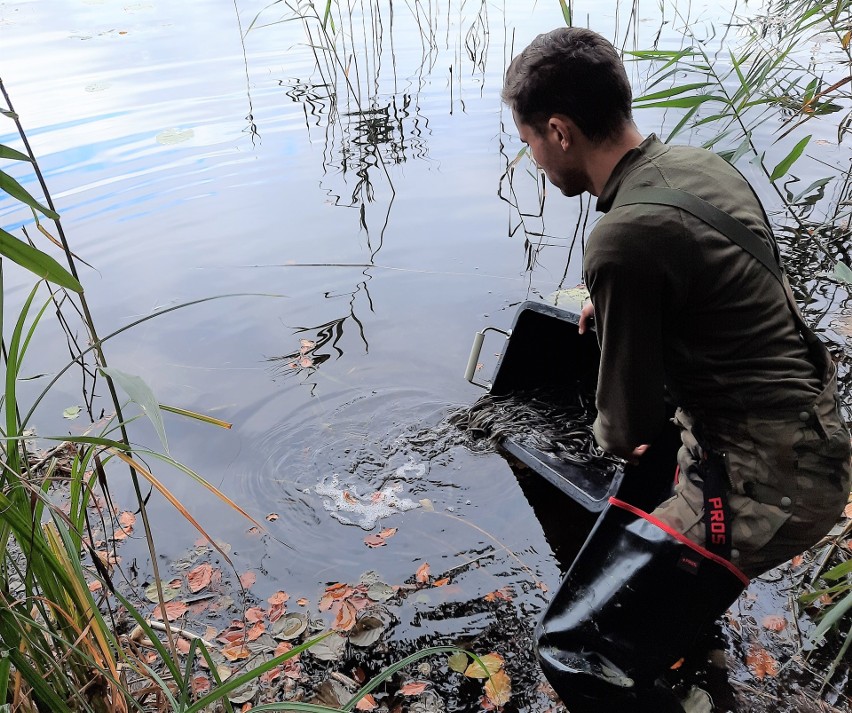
(562, 129)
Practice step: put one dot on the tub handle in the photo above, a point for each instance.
(475, 350)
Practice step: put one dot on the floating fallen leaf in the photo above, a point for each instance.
(374, 541)
(127, 519)
(278, 598)
(761, 663)
(422, 574)
(305, 345)
(255, 631)
(200, 684)
(174, 610)
(290, 626)
(847, 511)
(247, 579)
(169, 592)
(182, 645)
(71, 412)
(493, 662)
(774, 622)
(458, 662)
(367, 631)
(174, 136)
(367, 703)
(331, 648)
(272, 517)
(441, 582)
(498, 688)
(255, 614)
(542, 586)
(413, 688)
(303, 602)
(199, 578)
(797, 561)
(235, 652)
(380, 592)
(344, 616)
(502, 593)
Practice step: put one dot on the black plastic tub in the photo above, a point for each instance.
(545, 351)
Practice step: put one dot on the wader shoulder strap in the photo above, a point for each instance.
(710, 214)
(738, 233)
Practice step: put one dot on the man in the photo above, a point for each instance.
(680, 308)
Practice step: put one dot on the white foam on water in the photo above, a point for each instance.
(349, 507)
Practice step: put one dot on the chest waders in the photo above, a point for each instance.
(639, 593)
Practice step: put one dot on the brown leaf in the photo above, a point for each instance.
(441, 582)
(174, 610)
(283, 648)
(422, 574)
(344, 618)
(367, 703)
(255, 632)
(271, 674)
(303, 602)
(200, 684)
(182, 645)
(255, 614)
(374, 541)
(235, 652)
(413, 688)
(127, 519)
(278, 598)
(774, 622)
(247, 579)
(498, 688)
(199, 578)
(797, 561)
(502, 593)
(847, 511)
(95, 586)
(272, 517)
(761, 662)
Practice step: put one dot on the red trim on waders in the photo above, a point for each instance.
(680, 537)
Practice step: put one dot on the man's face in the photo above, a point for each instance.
(559, 160)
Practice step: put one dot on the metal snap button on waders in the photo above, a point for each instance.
(786, 503)
(804, 416)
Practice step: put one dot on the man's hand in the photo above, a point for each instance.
(586, 315)
(638, 452)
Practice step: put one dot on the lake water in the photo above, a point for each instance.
(354, 201)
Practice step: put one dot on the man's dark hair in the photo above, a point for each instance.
(571, 71)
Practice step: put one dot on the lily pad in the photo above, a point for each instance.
(290, 626)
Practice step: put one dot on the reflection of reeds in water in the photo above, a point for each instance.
(363, 100)
(364, 94)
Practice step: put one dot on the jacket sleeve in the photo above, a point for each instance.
(628, 289)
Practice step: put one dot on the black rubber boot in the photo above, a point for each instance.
(629, 608)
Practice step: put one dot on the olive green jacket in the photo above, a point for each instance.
(679, 306)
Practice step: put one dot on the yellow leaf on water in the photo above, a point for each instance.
(498, 688)
(493, 662)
